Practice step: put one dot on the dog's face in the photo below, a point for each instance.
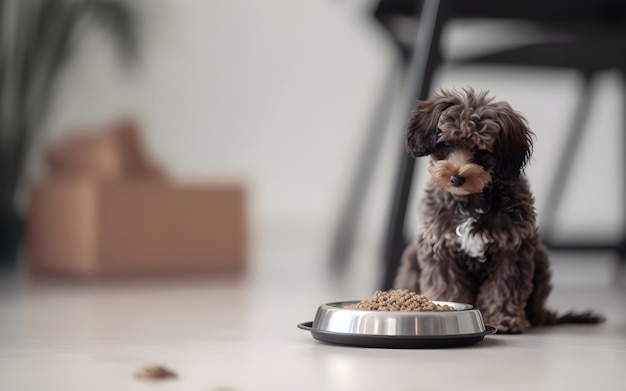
(471, 140)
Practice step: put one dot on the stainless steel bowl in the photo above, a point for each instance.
(463, 320)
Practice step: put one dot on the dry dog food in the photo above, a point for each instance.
(155, 372)
(398, 300)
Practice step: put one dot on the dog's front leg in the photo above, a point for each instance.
(408, 274)
(441, 278)
(503, 296)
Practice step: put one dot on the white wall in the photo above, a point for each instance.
(272, 92)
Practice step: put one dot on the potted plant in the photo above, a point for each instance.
(38, 39)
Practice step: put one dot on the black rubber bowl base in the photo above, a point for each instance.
(395, 341)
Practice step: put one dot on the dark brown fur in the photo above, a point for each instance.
(477, 242)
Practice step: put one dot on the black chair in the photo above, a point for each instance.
(595, 42)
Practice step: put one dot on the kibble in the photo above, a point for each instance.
(155, 372)
(398, 300)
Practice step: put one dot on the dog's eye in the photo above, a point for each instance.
(444, 144)
(483, 158)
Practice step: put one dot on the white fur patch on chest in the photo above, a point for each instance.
(472, 244)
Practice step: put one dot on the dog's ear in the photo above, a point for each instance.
(514, 146)
(421, 136)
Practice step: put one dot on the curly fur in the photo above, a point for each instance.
(477, 239)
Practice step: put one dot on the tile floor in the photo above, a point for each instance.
(241, 334)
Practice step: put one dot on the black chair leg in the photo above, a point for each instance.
(564, 167)
(343, 239)
(621, 273)
(563, 173)
(424, 60)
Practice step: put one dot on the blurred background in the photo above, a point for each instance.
(286, 118)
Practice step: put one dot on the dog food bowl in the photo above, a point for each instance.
(336, 324)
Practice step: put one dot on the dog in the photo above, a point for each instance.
(477, 240)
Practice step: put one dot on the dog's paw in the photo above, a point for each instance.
(506, 324)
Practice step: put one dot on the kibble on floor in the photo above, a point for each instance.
(156, 372)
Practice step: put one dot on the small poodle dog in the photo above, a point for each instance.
(477, 239)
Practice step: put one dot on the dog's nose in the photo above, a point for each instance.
(457, 180)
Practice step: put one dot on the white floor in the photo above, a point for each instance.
(241, 334)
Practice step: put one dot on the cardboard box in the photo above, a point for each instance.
(91, 228)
